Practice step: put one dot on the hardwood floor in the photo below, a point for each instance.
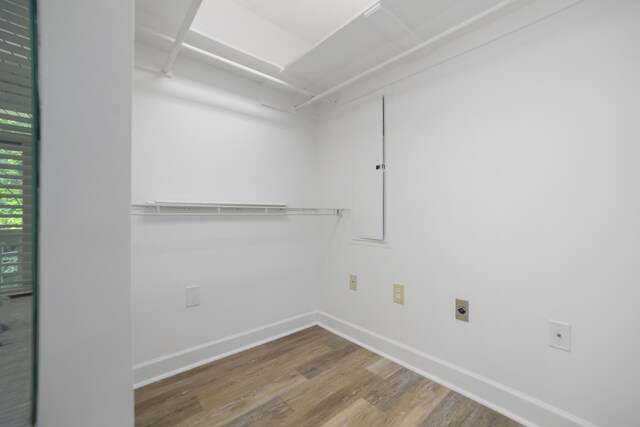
(310, 378)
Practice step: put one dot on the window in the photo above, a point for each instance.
(16, 160)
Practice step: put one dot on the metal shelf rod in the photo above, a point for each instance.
(226, 209)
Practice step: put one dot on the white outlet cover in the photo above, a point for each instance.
(192, 296)
(560, 335)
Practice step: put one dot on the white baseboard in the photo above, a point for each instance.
(166, 366)
(518, 406)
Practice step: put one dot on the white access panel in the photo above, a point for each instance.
(368, 170)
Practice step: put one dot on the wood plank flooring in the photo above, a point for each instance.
(310, 378)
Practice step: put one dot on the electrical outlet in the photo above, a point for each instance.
(192, 296)
(398, 293)
(462, 310)
(353, 282)
(560, 335)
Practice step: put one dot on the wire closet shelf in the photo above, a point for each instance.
(189, 208)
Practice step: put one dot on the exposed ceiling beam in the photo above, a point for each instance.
(182, 34)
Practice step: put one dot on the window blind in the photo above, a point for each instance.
(16, 156)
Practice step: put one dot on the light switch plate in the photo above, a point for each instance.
(560, 335)
(353, 282)
(462, 310)
(192, 296)
(398, 293)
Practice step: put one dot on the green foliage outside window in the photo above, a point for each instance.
(11, 203)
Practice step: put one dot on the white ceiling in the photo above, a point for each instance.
(311, 20)
(314, 44)
(161, 15)
(230, 22)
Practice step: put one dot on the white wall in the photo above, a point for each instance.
(513, 181)
(203, 135)
(84, 358)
